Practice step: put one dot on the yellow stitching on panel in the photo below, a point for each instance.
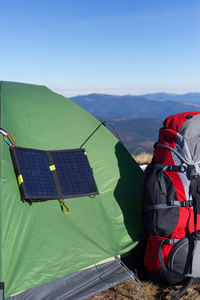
(52, 168)
(20, 179)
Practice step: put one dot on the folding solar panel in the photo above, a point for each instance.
(46, 175)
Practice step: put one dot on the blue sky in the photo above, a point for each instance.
(77, 47)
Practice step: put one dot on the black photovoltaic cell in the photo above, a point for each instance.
(74, 173)
(35, 172)
(71, 175)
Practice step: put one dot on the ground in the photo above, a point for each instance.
(150, 291)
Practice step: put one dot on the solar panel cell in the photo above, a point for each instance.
(35, 171)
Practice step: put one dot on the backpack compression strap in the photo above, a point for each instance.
(171, 204)
(174, 203)
(180, 168)
(165, 242)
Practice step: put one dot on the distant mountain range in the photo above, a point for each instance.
(189, 97)
(137, 135)
(137, 119)
(157, 106)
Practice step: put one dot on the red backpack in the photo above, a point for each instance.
(171, 200)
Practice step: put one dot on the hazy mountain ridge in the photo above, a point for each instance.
(136, 134)
(144, 106)
(189, 97)
(137, 119)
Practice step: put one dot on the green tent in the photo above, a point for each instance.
(44, 253)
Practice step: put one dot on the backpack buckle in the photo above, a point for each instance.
(187, 203)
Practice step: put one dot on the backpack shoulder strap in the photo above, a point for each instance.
(178, 294)
(195, 189)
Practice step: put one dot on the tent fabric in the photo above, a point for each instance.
(39, 243)
(79, 285)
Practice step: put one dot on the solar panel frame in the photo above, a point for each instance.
(50, 175)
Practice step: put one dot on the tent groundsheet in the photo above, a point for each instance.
(80, 285)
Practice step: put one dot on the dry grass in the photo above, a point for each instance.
(150, 291)
(143, 158)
